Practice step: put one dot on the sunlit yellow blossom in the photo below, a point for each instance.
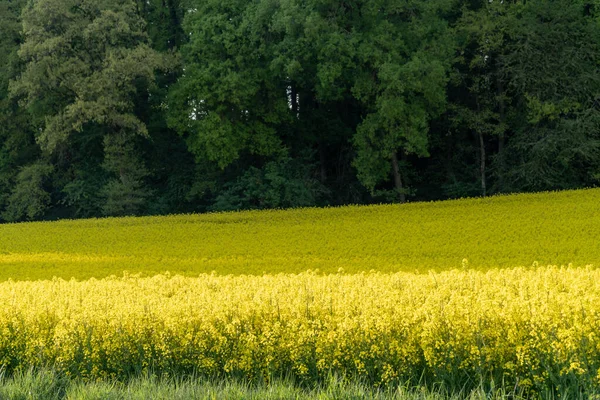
(523, 324)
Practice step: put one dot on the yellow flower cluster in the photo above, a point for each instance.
(535, 326)
(505, 231)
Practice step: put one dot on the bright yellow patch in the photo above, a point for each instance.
(522, 322)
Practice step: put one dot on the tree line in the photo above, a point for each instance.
(133, 107)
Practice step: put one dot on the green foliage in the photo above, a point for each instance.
(256, 70)
(30, 197)
(10, 34)
(284, 183)
(84, 63)
(529, 69)
(163, 22)
(405, 53)
(125, 194)
(83, 192)
(16, 140)
(551, 63)
(421, 99)
(228, 102)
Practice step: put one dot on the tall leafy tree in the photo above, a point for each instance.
(551, 67)
(276, 103)
(404, 52)
(166, 153)
(17, 147)
(254, 90)
(264, 77)
(527, 92)
(227, 102)
(479, 98)
(84, 62)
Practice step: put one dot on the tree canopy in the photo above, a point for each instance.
(136, 107)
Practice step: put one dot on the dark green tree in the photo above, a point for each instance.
(267, 78)
(84, 62)
(551, 68)
(119, 107)
(228, 103)
(31, 196)
(174, 174)
(404, 53)
(283, 183)
(17, 147)
(479, 99)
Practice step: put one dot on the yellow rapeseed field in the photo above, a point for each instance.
(537, 327)
(499, 290)
(507, 231)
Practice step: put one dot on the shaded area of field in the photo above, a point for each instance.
(507, 231)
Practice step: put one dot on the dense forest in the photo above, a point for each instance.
(131, 107)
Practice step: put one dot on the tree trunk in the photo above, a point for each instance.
(398, 179)
(482, 165)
